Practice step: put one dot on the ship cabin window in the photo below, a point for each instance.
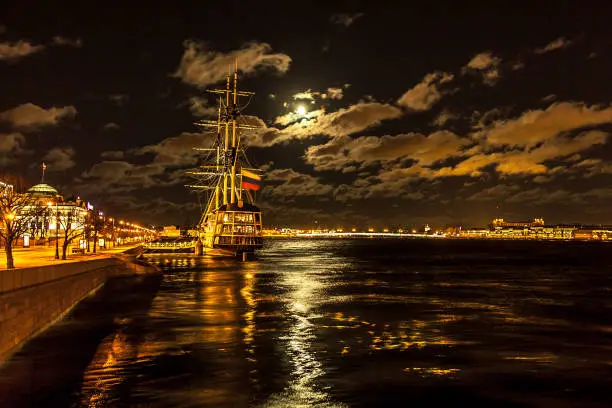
(257, 217)
(239, 229)
(243, 218)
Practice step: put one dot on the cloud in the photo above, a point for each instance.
(342, 122)
(291, 117)
(166, 166)
(426, 93)
(557, 44)
(444, 117)
(120, 176)
(118, 99)
(346, 121)
(306, 95)
(371, 187)
(487, 65)
(155, 206)
(111, 126)
(201, 67)
(310, 95)
(536, 126)
(199, 107)
(540, 196)
(12, 51)
(593, 167)
(59, 158)
(30, 116)
(334, 93)
(112, 154)
(497, 193)
(345, 19)
(293, 184)
(70, 42)
(177, 151)
(11, 146)
(341, 152)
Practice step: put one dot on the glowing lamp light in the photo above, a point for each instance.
(301, 110)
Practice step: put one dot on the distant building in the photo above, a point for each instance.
(500, 223)
(171, 231)
(597, 233)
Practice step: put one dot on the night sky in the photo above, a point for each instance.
(414, 114)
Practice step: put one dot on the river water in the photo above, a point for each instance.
(337, 323)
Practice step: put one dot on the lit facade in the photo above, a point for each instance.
(52, 222)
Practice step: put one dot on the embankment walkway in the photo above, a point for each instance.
(41, 290)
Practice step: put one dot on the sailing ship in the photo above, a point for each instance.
(231, 223)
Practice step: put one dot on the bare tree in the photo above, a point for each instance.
(72, 222)
(17, 211)
(97, 224)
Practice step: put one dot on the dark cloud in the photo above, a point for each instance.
(199, 107)
(340, 152)
(70, 42)
(118, 99)
(30, 117)
(59, 158)
(12, 146)
(345, 19)
(113, 155)
(285, 184)
(111, 126)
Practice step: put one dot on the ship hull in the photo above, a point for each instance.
(231, 230)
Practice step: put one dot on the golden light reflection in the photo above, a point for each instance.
(430, 372)
(106, 372)
(249, 319)
(304, 292)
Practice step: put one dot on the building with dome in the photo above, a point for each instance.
(43, 191)
(50, 224)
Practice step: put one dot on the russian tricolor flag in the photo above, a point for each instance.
(250, 180)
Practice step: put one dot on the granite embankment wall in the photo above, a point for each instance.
(31, 299)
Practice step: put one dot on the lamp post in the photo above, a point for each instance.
(56, 230)
(113, 242)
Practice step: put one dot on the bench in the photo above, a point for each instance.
(78, 251)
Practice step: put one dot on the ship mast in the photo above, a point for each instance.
(227, 189)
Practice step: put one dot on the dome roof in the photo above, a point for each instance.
(43, 190)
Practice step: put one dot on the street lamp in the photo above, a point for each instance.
(113, 241)
(56, 230)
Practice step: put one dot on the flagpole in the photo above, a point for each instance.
(42, 181)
